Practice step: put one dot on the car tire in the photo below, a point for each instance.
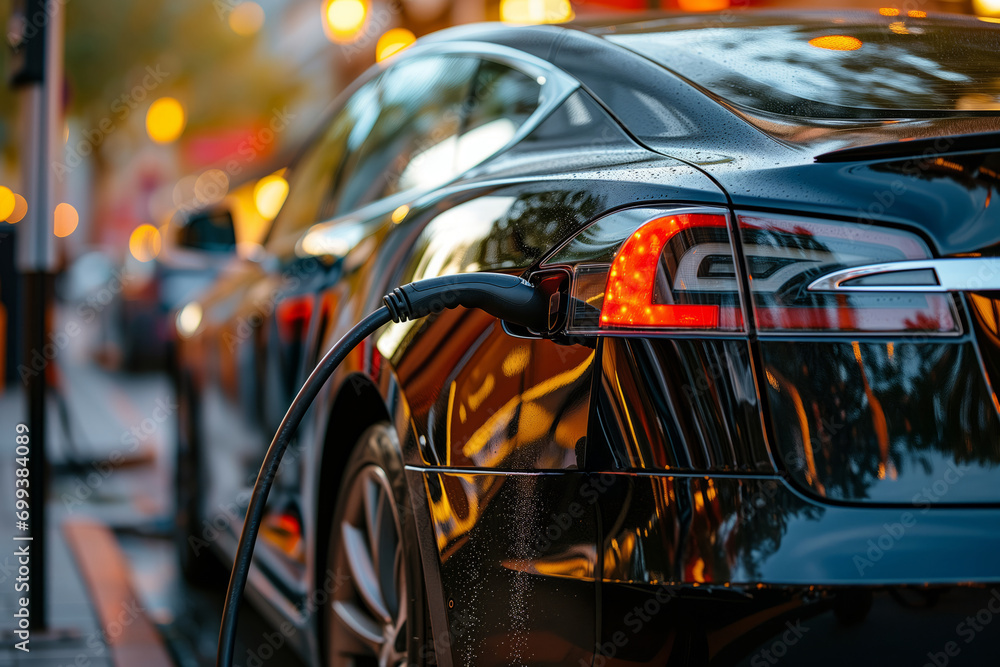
(196, 561)
(377, 609)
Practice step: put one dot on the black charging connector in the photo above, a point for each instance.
(506, 297)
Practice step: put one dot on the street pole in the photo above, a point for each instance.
(37, 37)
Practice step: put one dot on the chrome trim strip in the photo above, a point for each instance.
(956, 274)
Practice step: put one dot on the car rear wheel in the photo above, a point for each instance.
(376, 615)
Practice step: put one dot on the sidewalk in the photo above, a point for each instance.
(122, 429)
(90, 594)
(120, 433)
(68, 603)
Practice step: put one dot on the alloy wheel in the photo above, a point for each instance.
(369, 620)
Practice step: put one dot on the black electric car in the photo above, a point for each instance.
(761, 424)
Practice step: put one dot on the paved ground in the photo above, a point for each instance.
(114, 468)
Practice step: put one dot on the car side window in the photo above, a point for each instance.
(420, 114)
(313, 175)
(438, 116)
(502, 99)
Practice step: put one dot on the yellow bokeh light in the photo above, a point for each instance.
(65, 220)
(535, 11)
(246, 18)
(165, 120)
(7, 202)
(888, 11)
(392, 42)
(145, 242)
(343, 19)
(20, 209)
(400, 213)
(836, 43)
(899, 28)
(916, 14)
(269, 194)
(702, 5)
(986, 7)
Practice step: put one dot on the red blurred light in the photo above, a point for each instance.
(628, 296)
(293, 316)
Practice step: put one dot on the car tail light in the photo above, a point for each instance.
(293, 314)
(674, 270)
(672, 273)
(784, 255)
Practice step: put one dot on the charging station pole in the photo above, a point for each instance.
(36, 33)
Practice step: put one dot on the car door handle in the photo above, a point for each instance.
(956, 274)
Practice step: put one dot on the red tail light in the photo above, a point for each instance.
(630, 296)
(653, 269)
(649, 269)
(293, 315)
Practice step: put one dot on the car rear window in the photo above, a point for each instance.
(831, 66)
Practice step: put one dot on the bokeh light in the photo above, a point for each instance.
(343, 19)
(189, 319)
(888, 11)
(211, 186)
(145, 242)
(535, 11)
(7, 202)
(65, 220)
(20, 209)
(165, 120)
(246, 18)
(703, 5)
(986, 7)
(836, 43)
(269, 194)
(392, 42)
(183, 193)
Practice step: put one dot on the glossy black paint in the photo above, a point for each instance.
(635, 499)
(680, 405)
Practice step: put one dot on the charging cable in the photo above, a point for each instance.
(506, 297)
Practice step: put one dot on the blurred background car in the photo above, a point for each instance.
(196, 246)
